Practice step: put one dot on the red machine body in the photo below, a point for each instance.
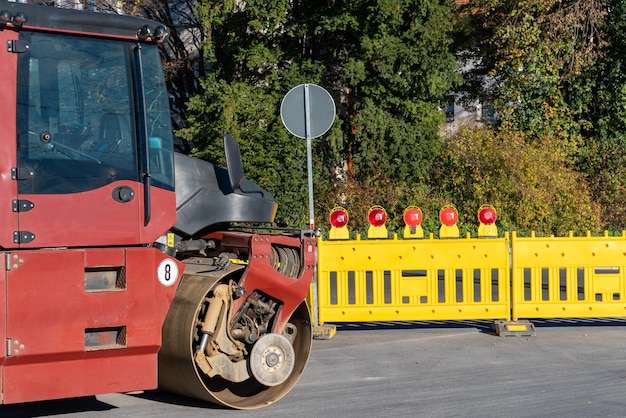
(68, 341)
(96, 242)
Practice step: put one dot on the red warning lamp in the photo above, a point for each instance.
(448, 216)
(338, 217)
(487, 215)
(412, 219)
(338, 221)
(412, 216)
(377, 216)
(487, 218)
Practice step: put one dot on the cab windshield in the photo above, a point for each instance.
(79, 111)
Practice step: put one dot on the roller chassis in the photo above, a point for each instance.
(246, 334)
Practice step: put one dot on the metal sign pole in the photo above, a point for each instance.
(309, 154)
(309, 166)
(313, 121)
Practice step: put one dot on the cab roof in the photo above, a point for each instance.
(68, 20)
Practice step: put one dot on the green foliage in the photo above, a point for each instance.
(275, 159)
(605, 162)
(558, 72)
(530, 183)
(542, 47)
(600, 97)
(398, 69)
(387, 63)
(558, 80)
(403, 149)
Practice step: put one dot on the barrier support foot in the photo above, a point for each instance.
(324, 331)
(520, 328)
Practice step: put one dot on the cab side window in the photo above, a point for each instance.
(76, 130)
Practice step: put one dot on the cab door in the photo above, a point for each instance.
(77, 167)
(8, 218)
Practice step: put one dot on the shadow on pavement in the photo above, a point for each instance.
(173, 399)
(483, 326)
(55, 407)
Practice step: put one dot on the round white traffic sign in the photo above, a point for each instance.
(307, 111)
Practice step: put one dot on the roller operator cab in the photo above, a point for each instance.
(117, 277)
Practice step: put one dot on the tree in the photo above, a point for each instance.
(555, 72)
(534, 50)
(386, 62)
(250, 75)
(183, 54)
(603, 108)
(397, 70)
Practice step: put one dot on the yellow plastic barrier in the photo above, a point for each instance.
(570, 277)
(387, 280)
(469, 278)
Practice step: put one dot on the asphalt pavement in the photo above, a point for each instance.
(571, 368)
